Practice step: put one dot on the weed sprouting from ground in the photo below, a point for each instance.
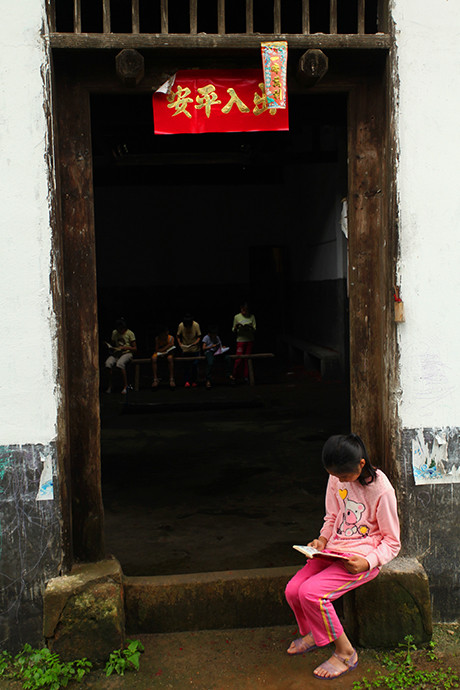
(41, 669)
(122, 660)
(408, 667)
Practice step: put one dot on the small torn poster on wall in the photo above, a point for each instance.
(46, 491)
(430, 459)
(274, 63)
(201, 101)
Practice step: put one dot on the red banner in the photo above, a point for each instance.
(217, 101)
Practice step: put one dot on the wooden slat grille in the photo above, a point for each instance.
(218, 17)
(77, 16)
(249, 16)
(305, 16)
(333, 17)
(164, 16)
(135, 16)
(106, 23)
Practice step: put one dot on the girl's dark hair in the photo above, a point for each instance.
(342, 454)
(121, 323)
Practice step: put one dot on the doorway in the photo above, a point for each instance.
(201, 223)
(78, 80)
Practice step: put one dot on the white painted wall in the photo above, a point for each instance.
(428, 128)
(28, 399)
(428, 51)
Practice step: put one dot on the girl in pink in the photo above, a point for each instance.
(361, 523)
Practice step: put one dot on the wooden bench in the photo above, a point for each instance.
(329, 361)
(137, 363)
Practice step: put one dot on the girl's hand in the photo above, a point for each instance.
(356, 564)
(318, 544)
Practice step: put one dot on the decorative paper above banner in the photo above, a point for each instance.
(274, 62)
(216, 101)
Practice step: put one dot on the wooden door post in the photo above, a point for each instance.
(366, 264)
(79, 264)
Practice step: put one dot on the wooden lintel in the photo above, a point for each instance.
(228, 42)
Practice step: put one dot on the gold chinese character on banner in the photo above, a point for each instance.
(234, 100)
(180, 100)
(260, 102)
(207, 98)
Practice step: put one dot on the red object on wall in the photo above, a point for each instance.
(217, 101)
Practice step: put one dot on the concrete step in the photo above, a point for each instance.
(205, 601)
(94, 607)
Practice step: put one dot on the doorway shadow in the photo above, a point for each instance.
(222, 479)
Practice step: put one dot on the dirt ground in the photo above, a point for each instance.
(253, 659)
(222, 479)
(248, 659)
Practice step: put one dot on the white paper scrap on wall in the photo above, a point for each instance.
(46, 490)
(432, 466)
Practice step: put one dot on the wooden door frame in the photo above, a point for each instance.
(371, 271)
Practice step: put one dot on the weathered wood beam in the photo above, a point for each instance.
(221, 16)
(51, 13)
(333, 17)
(82, 353)
(361, 16)
(227, 42)
(164, 11)
(249, 16)
(77, 16)
(277, 16)
(106, 19)
(193, 13)
(135, 16)
(383, 16)
(305, 16)
(366, 279)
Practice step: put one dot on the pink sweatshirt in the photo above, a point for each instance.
(362, 520)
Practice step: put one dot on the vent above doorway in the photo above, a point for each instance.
(217, 23)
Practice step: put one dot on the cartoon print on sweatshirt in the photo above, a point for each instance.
(351, 516)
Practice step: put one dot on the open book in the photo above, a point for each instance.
(221, 350)
(310, 552)
(165, 352)
(187, 347)
(113, 348)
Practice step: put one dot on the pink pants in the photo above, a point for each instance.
(311, 592)
(242, 349)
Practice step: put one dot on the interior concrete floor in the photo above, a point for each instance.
(229, 478)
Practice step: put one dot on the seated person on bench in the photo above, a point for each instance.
(188, 338)
(122, 346)
(212, 347)
(164, 346)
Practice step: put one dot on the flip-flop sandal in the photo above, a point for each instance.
(302, 647)
(327, 666)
